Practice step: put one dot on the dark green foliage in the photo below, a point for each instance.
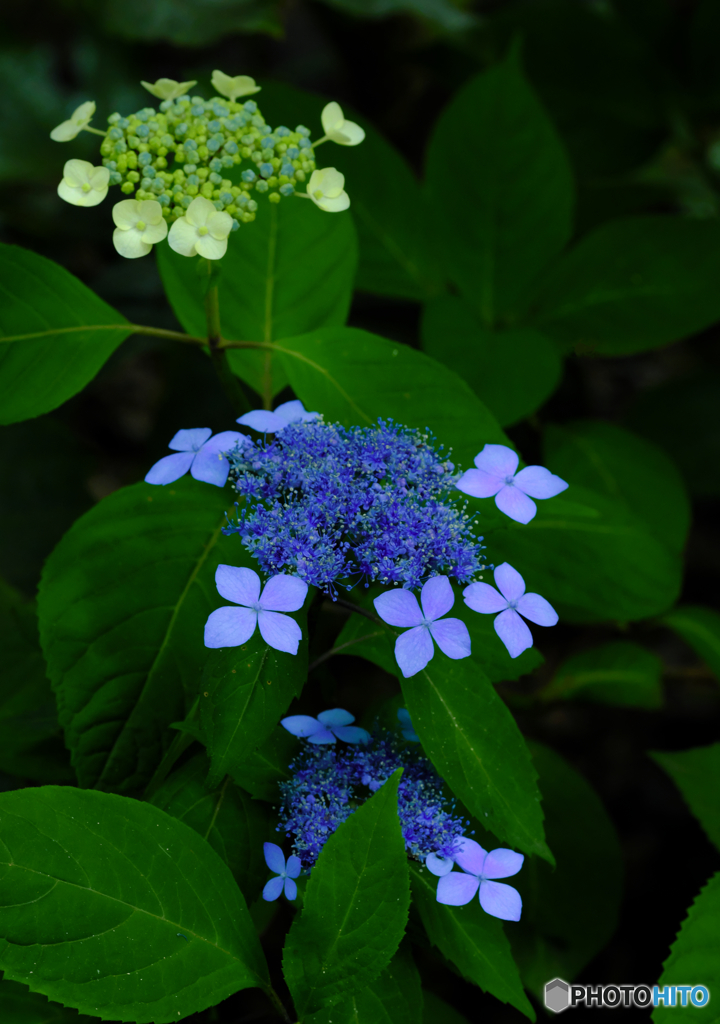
(55, 334)
(694, 954)
(114, 881)
(498, 234)
(696, 773)
(700, 628)
(21, 1006)
(356, 906)
(571, 912)
(616, 673)
(233, 824)
(123, 602)
(475, 942)
(291, 272)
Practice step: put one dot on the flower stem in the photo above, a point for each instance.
(278, 1004)
(336, 650)
(231, 384)
(360, 611)
(95, 131)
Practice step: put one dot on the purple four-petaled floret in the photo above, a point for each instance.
(479, 871)
(495, 476)
(511, 602)
(230, 627)
(267, 422)
(285, 873)
(414, 648)
(328, 727)
(198, 452)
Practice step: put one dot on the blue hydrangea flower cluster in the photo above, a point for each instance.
(336, 505)
(328, 783)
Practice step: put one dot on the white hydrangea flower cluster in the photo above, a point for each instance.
(195, 166)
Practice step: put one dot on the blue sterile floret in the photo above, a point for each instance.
(336, 505)
(329, 783)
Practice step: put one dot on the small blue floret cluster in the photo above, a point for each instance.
(336, 506)
(329, 782)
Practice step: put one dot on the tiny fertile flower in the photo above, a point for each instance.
(479, 871)
(328, 727)
(83, 184)
(414, 649)
(230, 627)
(495, 475)
(78, 120)
(197, 451)
(337, 129)
(511, 602)
(203, 231)
(407, 726)
(275, 860)
(326, 189)
(240, 85)
(167, 88)
(268, 422)
(139, 225)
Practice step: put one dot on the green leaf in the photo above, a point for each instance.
(696, 773)
(569, 913)
(390, 210)
(190, 22)
(625, 467)
(632, 285)
(354, 377)
(617, 673)
(589, 558)
(395, 997)
(122, 605)
(18, 1005)
(245, 691)
(287, 272)
(512, 371)
(473, 741)
(233, 824)
(472, 939)
(356, 907)
(699, 627)
(135, 917)
(261, 772)
(695, 955)
(55, 334)
(30, 741)
(501, 184)
(444, 13)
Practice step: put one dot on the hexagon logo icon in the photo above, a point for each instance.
(557, 995)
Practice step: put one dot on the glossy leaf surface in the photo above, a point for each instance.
(135, 917)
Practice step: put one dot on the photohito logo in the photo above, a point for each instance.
(559, 995)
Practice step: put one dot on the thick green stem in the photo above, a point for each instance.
(277, 1003)
(231, 385)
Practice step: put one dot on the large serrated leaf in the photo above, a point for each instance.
(695, 956)
(356, 907)
(696, 773)
(122, 604)
(474, 941)
(233, 824)
(513, 212)
(134, 916)
(55, 334)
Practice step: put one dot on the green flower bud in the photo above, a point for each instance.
(274, 197)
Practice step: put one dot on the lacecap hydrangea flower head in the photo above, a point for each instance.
(329, 506)
(329, 782)
(195, 168)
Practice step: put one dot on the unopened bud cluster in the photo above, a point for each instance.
(186, 148)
